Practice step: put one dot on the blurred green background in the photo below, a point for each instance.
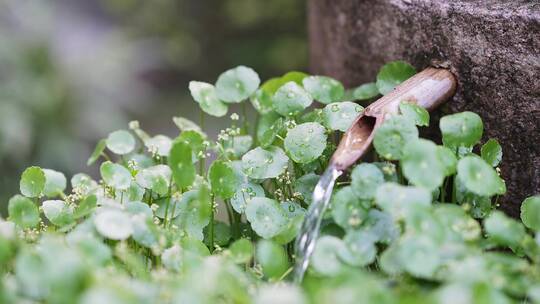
(71, 71)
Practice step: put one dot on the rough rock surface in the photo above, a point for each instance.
(492, 46)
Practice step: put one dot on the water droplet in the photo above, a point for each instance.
(310, 130)
(291, 208)
(237, 84)
(334, 108)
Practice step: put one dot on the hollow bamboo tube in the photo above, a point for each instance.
(428, 89)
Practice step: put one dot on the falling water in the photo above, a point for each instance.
(305, 243)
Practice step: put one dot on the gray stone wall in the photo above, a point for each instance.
(493, 47)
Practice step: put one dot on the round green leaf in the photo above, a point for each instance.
(159, 144)
(365, 178)
(262, 163)
(340, 115)
(238, 145)
(32, 182)
(348, 210)
(421, 165)
(262, 101)
(492, 152)
(324, 89)
(504, 230)
(266, 216)
(359, 249)
(305, 186)
(205, 94)
(120, 142)
(530, 212)
(244, 194)
(237, 84)
(222, 179)
(185, 124)
(23, 212)
(100, 147)
(115, 175)
(144, 230)
(415, 113)
(447, 159)
(58, 212)
(55, 183)
(420, 256)
(461, 129)
(241, 251)
(402, 201)
(365, 91)
(85, 207)
(113, 224)
(305, 142)
(479, 177)
(392, 74)
(156, 178)
(269, 136)
(222, 234)
(181, 163)
(325, 259)
(138, 207)
(195, 210)
(392, 135)
(196, 141)
(169, 206)
(291, 99)
(272, 258)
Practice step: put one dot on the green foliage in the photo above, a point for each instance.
(290, 99)
(160, 227)
(205, 95)
(393, 74)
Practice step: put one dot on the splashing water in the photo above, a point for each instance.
(305, 243)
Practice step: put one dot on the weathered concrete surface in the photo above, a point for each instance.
(493, 47)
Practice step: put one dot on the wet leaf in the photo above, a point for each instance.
(504, 230)
(205, 95)
(415, 113)
(120, 142)
(492, 152)
(23, 212)
(58, 212)
(393, 135)
(402, 201)
(185, 124)
(222, 234)
(239, 145)
(159, 144)
(305, 186)
(305, 142)
(222, 179)
(392, 74)
(55, 183)
(262, 163)
(324, 89)
(348, 211)
(32, 182)
(340, 115)
(195, 210)
(85, 207)
(365, 178)
(359, 249)
(156, 178)
(530, 212)
(325, 259)
(113, 224)
(181, 164)
(262, 101)
(447, 159)
(461, 129)
(237, 84)
(291, 99)
(115, 175)
(272, 258)
(365, 91)
(241, 251)
(266, 217)
(478, 177)
(244, 194)
(421, 165)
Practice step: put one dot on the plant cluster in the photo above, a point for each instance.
(417, 224)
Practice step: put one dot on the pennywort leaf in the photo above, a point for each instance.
(461, 129)
(23, 212)
(479, 177)
(492, 152)
(392, 136)
(237, 84)
(393, 74)
(324, 89)
(205, 95)
(265, 216)
(32, 182)
(262, 163)
(120, 142)
(305, 142)
(115, 175)
(291, 99)
(340, 115)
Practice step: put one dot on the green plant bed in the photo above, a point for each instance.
(417, 225)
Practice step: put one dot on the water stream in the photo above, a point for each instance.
(305, 243)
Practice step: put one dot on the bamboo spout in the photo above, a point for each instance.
(428, 89)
